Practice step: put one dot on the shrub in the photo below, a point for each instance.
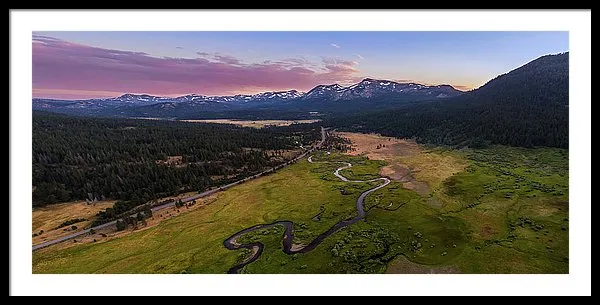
(69, 222)
(121, 225)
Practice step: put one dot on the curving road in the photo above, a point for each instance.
(194, 197)
(288, 237)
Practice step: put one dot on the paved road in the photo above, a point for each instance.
(187, 199)
(288, 236)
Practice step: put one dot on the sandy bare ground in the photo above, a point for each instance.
(401, 265)
(398, 172)
(255, 124)
(296, 247)
(390, 148)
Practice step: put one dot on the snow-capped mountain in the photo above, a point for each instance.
(325, 91)
(136, 99)
(369, 88)
(139, 99)
(378, 93)
(283, 95)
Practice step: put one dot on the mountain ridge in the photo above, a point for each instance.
(284, 94)
(333, 98)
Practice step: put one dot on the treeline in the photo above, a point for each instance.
(526, 107)
(85, 158)
(478, 126)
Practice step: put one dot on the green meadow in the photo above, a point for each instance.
(506, 212)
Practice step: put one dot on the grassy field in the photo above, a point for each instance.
(501, 210)
(515, 203)
(47, 219)
(192, 242)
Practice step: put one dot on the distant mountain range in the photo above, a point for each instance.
(369, 93)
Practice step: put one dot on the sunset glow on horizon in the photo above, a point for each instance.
(80, 65)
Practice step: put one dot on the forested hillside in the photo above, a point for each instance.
(525, 107)
(140, 160)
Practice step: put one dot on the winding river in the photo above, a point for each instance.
(288, 246)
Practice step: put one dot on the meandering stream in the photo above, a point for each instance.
(288, 246)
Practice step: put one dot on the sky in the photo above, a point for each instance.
(80, 65)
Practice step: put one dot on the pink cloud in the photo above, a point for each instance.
(61, 66)
(463, 88)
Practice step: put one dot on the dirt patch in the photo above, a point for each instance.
(296, 247)
(397, 172)
(401, 265)
(420, 187)
(486, 232)
(377, 147)
(402, 173)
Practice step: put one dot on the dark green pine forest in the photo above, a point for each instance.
(78, 158)
(526, 107)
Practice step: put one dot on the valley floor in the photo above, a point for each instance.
(495, 210)
(253, 123)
